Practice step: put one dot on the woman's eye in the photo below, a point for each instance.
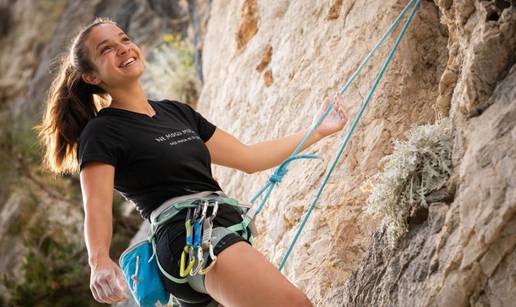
(106, 48)
(126, 39)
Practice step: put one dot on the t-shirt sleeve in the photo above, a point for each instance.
(97, 143)
(205, 128)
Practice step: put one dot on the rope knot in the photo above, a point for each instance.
(282, 170)
(277, 176)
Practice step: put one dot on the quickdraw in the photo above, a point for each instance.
(188, 249)
(206, 238)
(198, 240)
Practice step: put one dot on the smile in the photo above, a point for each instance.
(128, 62)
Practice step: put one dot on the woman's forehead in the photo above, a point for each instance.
(102, 33)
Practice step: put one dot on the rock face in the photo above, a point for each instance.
(463, 253)
(267, 66)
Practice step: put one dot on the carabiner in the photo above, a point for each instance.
(205, 208)
(182, 270)
(213, 260)
(207, 228)
(200, 261)
(206, 240)
(197, 244)
(196, 212)
(215, 209)
(188, 247)
(191, 253)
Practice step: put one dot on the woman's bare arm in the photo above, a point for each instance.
(228, 151)
(97, 182)
(97, 194)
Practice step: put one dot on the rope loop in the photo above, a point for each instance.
(282, 169)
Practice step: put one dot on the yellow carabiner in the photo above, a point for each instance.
(182, 270)
(187, 249)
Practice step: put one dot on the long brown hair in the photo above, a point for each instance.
(71, 104)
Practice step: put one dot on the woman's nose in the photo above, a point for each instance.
(122, 49)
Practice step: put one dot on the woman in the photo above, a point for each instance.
(151, 151)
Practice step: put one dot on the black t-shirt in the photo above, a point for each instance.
(155, 158)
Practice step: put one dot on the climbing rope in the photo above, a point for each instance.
(282, 170)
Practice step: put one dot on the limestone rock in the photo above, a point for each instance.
(452, 58)
(314, 55)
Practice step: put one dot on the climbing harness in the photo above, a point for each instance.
(202, 228)
(282, 169)
(140, 264)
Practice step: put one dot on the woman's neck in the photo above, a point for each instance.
(131, 98)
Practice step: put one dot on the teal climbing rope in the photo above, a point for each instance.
(282, 169)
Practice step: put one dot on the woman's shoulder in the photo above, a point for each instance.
(97, 126)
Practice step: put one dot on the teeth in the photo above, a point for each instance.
(129, 61)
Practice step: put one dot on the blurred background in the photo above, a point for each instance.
(44, 260)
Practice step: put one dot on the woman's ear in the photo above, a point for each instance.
(90, 78)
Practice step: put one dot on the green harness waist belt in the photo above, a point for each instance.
(173, 206)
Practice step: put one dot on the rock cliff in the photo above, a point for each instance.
(267, 65)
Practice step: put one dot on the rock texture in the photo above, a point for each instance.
(481, 47)
(463, 253)
(453, 57)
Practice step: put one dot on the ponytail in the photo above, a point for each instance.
(71, 104)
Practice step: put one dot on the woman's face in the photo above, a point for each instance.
(115, 57)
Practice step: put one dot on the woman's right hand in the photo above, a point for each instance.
(107, 282)
(335, 120)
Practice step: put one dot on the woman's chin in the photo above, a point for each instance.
(136, 72)
(126, 79)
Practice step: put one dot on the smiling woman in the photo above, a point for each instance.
(154, 152)
(118, 65)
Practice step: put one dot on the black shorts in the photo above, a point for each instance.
(170, 241)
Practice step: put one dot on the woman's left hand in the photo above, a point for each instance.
(335, 121)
